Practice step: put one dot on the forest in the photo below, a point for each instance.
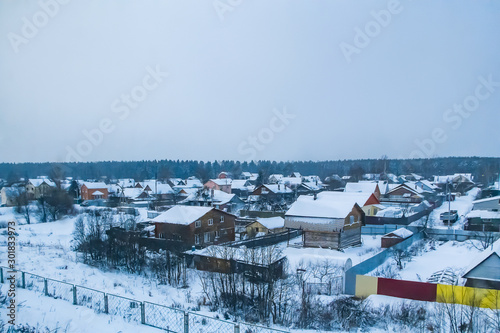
(484, 169)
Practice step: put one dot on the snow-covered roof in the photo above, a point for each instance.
(327, 204)
(132, 192)
(494, 249)
(97, 193)
(248, 255)
(184, 215)
(278, 188)
(290, 180)
(221, 182)
(163, 189)
(240, 184)
(95, 185)
(401, 232)
(312, 186)
(368, 187)
(126, 182)
(193, 183)
(483, 214)
(272, 222)
(216, 196)
(497, 198)
(39, 181)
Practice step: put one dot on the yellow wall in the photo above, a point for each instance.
(366, 286)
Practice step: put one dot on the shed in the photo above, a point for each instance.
(395, 237)
(484, 272)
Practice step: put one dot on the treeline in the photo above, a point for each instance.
(484, 169)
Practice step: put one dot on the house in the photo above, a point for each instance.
(126, 182)
(94, 191)
(484, 272)
(491, 204)
(460, 182)
(403, 194)
(483, 220)
(37, 188)
(264, 226)
(395, 237)
(291, 182)
(223, 175)
(195, 226)
(134, 194)
(223, 185)
(275, 178)
(274, 192)
(326, 220)
(173, 182)
(214, 198)
(242, 187)
(309, 188)
(193, 182)
(252, 177)
(363, 187)
(366, 200)
(8, 195)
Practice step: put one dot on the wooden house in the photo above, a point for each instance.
(484, 272)
(327, 220)
(195, 226)
(395, 237)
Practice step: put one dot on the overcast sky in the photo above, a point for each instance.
(248, 79)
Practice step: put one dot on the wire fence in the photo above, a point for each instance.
(155, 315)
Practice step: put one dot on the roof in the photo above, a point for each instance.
(493, 250)
(277, 188)
(39, 181)
(368, 187)
(132, 192)
(221, 182)
(219, 197)
(327, 205)
(184, 215)
(240, 184)
(95, 185)
(401, 232)
(249, 255)
(483, 214)
(487, 199)
(97, 193)
(272, 222)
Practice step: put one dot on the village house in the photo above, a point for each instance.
(37, 188)
(263, 226)
(223, 185)
(327, 220)
(195, 226)
(8, 195)
(214, 198)
(491, 204)
(484, 272)
(403, 194)
(94, 191)
(395, 237)
(242, 187)
(274, 192)
(363, 187)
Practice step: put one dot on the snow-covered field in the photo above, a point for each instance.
(463, 205)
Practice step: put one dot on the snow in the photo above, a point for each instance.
(37, 310)
(182, 214)
(463, 205)
(402, 232)
(327, 204)
(484, 214)
(95, 185)
(454, 255)
(365, 187)
(494, 249)
(487, 199)
(272, 222)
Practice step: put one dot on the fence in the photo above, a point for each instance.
(267, 240)
(155, 315)
(428, 292)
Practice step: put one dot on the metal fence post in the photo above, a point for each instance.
(106, 309)
(45, 287)
(75, 299)
(237, 328)
(1, 275)
(143, 314)
(186, 322)
(23, 280)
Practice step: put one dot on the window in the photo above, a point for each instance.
(222, 219)
(197, 224)
(161, 235)
(197, 239)
(351, 219)
(206, 238)
(210, 221)
(217, 233)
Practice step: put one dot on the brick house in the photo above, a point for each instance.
(223, 185)
(198, 226)
(94, 191)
